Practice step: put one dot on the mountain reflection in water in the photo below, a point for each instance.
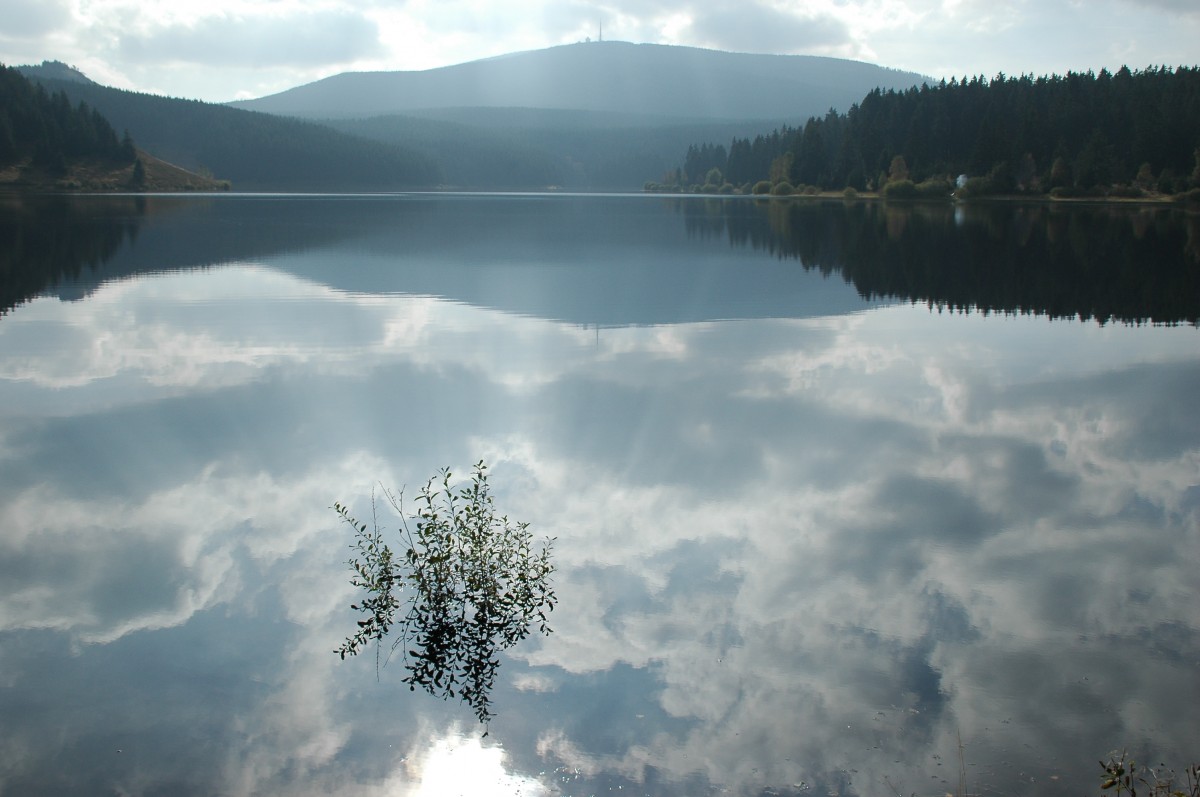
(806, 541)
(1133, 264)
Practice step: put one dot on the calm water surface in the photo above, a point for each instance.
(835, 489)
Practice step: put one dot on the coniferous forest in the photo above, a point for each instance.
(256, 151)
(48, 128)
(1083, 134)
(1122, 134)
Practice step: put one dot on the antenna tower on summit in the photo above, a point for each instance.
(601, 37)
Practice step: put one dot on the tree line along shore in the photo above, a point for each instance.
(1122, 135)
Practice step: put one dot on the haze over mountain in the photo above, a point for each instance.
(256, 151)
(590, 116)
(595, 115)
(648, 80)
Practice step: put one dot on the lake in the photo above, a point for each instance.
(847, 498)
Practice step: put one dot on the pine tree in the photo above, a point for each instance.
(138, 178)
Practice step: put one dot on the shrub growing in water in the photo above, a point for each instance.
(467, 585)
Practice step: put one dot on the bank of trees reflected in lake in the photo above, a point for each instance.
(1109, 263)
(1125, 263)
(45, 241)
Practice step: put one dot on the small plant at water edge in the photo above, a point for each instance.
(1123, 775)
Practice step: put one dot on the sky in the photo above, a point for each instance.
(220, 50)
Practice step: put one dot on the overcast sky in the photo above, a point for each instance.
(233, 49)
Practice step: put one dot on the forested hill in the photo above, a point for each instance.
(255, 151)
(54, 70)
(587, 116)
(1123, 133)
(681, 83)
(49, 131)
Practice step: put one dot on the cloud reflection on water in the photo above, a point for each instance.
(790, 551)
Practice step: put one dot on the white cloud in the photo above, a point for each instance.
(252, 48)
(757, 27)
(315, 39)
(983, 16)
(1185, 8)
(32, 18)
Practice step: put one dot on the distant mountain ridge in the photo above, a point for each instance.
(650, 80)
(255, 151)
(54, 70)
(591, 116)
